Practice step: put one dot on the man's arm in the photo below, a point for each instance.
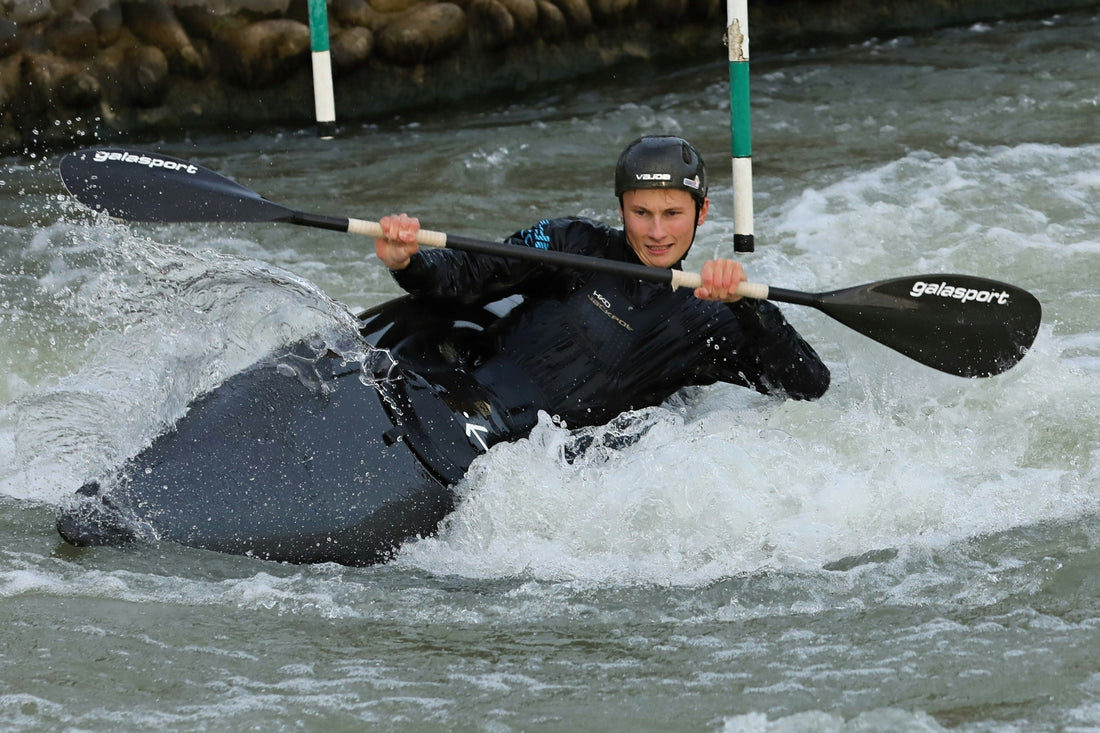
(773, 356)
(447, 274)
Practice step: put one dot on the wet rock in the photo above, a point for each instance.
(394, 6)
(358, 13)
(551, 23)
(491, 25)
(42, 74)
(577, 15)
(11, 81)
(262, 53)
(10, 41)
(613, 11)
(663, 11)
(156, 24)
(133, 74)
(128, 58)
(525, 13)
(108, 23)
(423, 34)
(10, 138)
(74, 37)
(149, 68)
(199, 21)
(702, 10)
(27, 12)
(88, 8)
(351, 47)
(79, 89)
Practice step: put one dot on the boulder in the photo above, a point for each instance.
(108, 23)
(11, 81)
(88, 8)
(525, 13)
(74, 37)
(265, 52)
(28, 12)
(148, 67)
(10, 40)
(394, 6)
(357, 13)
(423, 34)
(351, 47)
(577, 14)
(552, 24)
(491, 25)
(202, 22)
(613, 11)
(155, 24)
(663, 11)
(705, 10)
(41, 74)
(79, 89)
(132, 74)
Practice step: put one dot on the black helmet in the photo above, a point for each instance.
(661, 162)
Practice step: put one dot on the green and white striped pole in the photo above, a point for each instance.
(737, 39)
(323, 98)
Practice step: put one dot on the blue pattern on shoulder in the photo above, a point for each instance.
(537, 236)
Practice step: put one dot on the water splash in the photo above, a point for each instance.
(723, 483)
(163, 324)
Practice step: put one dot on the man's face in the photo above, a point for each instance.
(660, 223)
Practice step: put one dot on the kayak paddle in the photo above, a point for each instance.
(960, 324)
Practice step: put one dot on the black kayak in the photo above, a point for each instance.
(305, 457)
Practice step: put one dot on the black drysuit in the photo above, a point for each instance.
(587, 346)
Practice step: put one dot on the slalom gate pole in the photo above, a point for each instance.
(737, 39)
(323, 97)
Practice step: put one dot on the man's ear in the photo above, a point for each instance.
(703, 211)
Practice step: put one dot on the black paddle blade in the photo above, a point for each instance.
(959, 324)
(140, 186)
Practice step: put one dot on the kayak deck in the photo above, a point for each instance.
(305, 457)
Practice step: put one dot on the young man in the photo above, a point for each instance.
(587, 346)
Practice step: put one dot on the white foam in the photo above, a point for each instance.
(895, 455)
(167, 324)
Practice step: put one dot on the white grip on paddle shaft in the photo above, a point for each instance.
(756, 291)
(681, 279)
(373, 229)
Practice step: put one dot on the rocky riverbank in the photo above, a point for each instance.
(77, 71)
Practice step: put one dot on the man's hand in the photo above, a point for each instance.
(398, 241)
(721, 279)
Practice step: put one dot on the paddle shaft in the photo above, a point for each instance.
(429, 238)
(960, 324)
(948, 322)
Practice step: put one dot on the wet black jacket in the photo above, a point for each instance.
(593, 345)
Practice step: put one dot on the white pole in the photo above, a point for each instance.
(737, 39)
(324, 100)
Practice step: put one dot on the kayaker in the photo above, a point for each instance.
(586, 346)
(300, 459)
